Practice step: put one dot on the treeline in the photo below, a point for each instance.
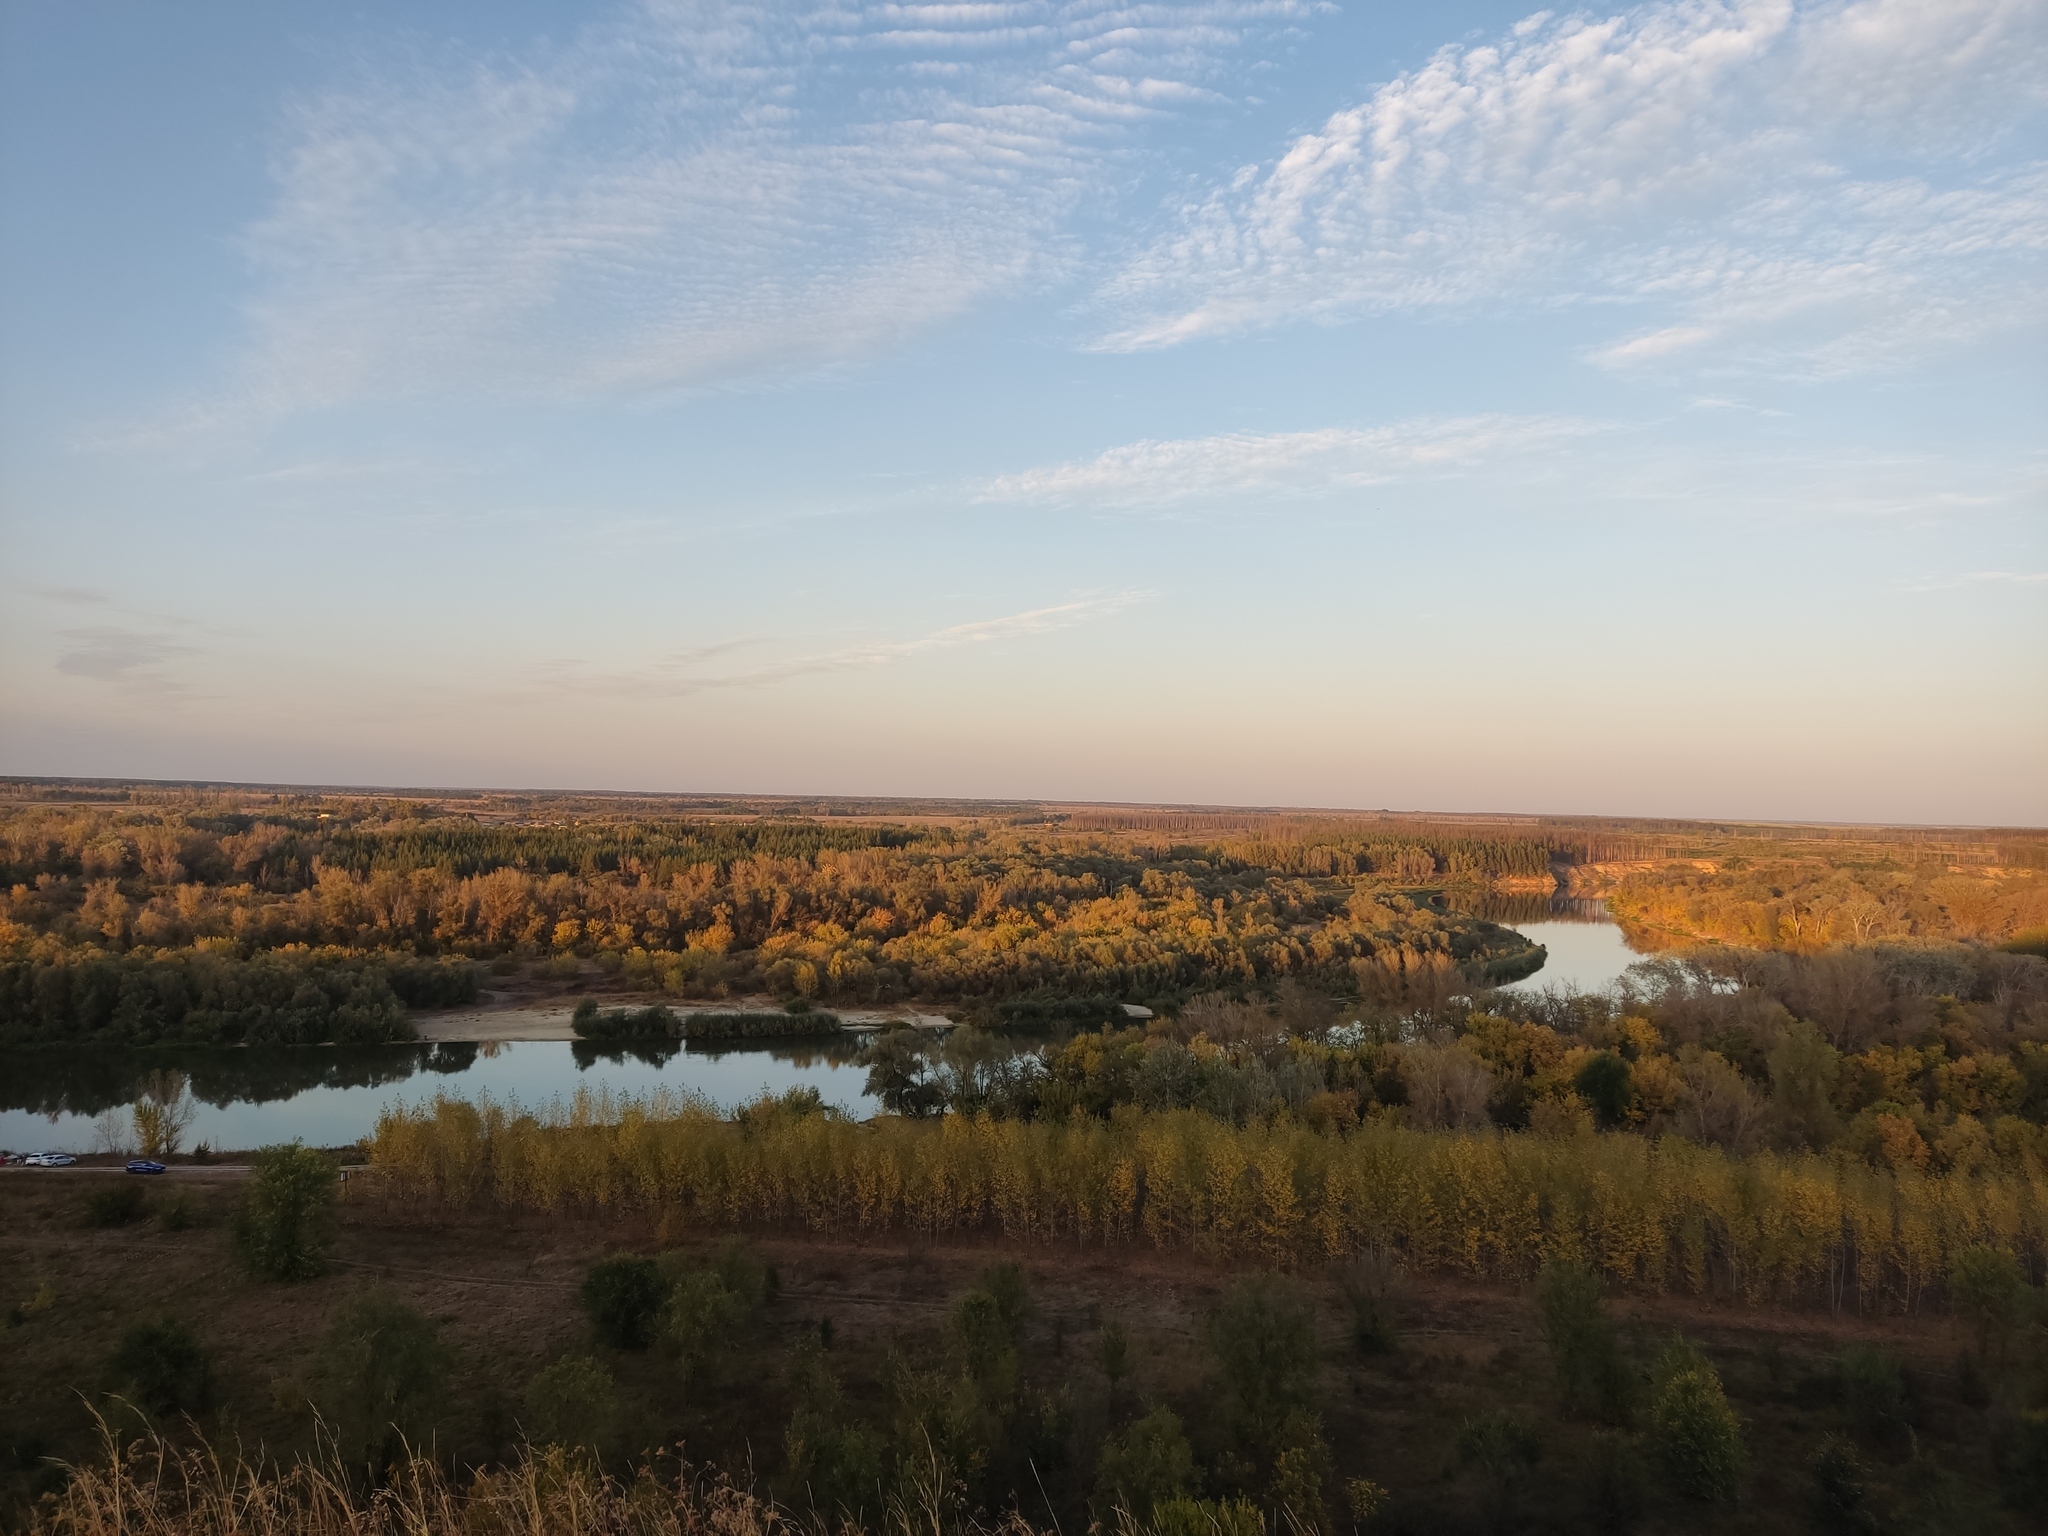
(1667, 1216)
(1922, 1058)
(859, 913)
(1810, 903)
(201, 998)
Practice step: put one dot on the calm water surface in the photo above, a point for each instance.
(330, 1096)
(1587, 950)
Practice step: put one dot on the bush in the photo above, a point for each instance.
(1837, 1488)
(2023, 1460)
(114, 1205)
(1616, 1484)
(1502, 1449)
(1263, 1339)
(278, 1230)
(178, 1213)
(624, 1296)
(1697, 1435)
(1989, 1293)
(1875, 1394)
(161, 1367)
(832, 1457)
(699, 1319)
(573, 1403)
(655, 1023)
(1591, 1375)
(1147, 1465)
(382, 1371)
(1372, 1285)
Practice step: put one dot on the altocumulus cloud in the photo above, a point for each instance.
(1820, 189)
(688, 195)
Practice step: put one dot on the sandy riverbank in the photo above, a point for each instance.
(550, 1020)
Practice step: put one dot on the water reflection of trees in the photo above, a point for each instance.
(1509, 908)
(58, 1081)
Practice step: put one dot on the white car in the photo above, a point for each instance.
(49, 1160)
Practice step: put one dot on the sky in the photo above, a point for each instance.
(1637, 410)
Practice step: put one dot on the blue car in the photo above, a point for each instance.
(145, 1165)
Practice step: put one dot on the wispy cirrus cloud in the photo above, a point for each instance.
(1163, 472)
(684, 673)
(689, 195)
(1821, 188)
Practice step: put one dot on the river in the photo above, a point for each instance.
(331, 1095)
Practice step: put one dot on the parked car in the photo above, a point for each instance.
(145, 1165)
(49, 1160)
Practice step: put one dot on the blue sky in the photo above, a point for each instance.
(1445, 407)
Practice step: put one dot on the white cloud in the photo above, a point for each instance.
(1164, 472)
(683, 673)
(1818, 188)
(691, 194)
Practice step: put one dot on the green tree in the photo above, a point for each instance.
(1989, 1293)
(1501, 1449)
(833, 1458)
(280, 1228)
(1606, 1083)
(383, 1371)
(1146, 1465)
(1263, 1340)
(699, 1319)
(1696, 1433)
(1804, 1070)
(623, 1296)
(1591, 1375)
(573, 1403)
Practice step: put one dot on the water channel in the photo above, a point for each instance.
(50, 1099)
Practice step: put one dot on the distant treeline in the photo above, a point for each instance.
(195, 998)
(1809, 903)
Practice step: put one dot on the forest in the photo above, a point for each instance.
(1330, 1231)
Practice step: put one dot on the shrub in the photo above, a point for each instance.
(382, 1371)
(1875, 1394)
(1989, 1293)
(161, 1367)
(1837, 1488)
(698, 1320)
(1147, 1465)
(1697, 1435)
(1502, 1449)
(1263, 1339)
(2023, 1460)
(574, 1403)
(623, 1296)
(114, 1205)
(177, 1213)
(1113, 1354)
(1616, 1483)
(278, 1230)
(1591, 1375)
(832, 1457)
(1372, 1285)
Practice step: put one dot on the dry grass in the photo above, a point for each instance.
(155, 1488)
